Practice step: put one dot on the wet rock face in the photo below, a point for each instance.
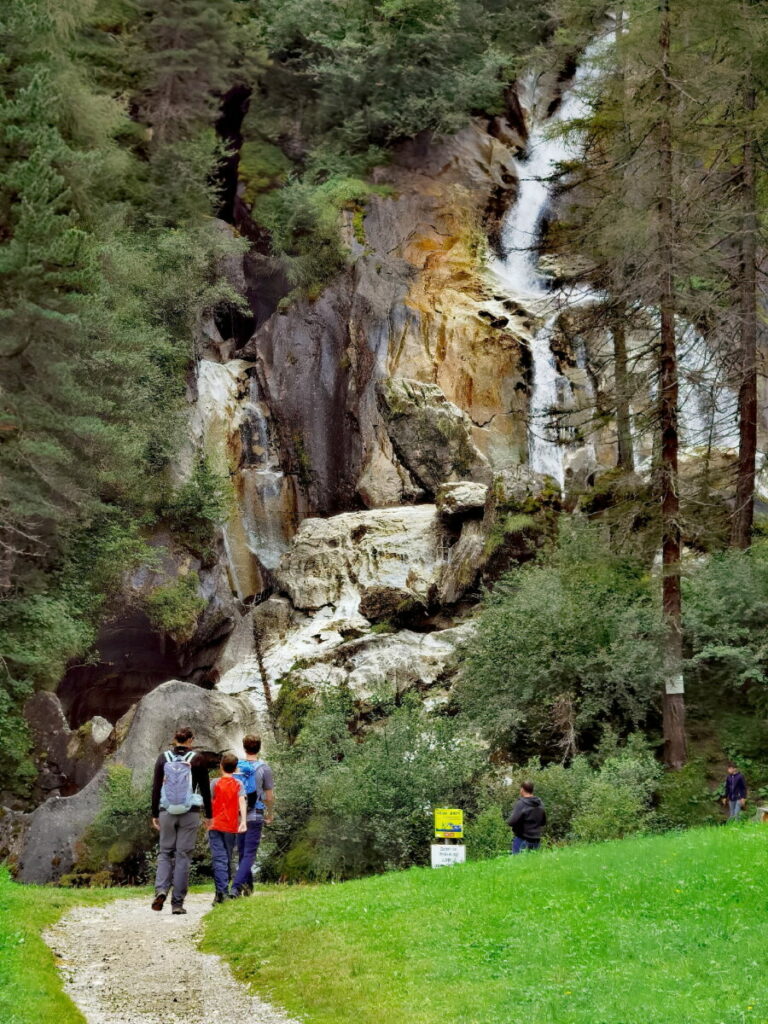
(49, 846)
(133, 658)
(307, 380)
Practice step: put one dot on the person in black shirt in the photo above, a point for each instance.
(735, 791)
(527, 820)
(178, 828)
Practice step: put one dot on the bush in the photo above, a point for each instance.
(120, 838)
(303, 219)
(352, 806)
(488, 835)
(617, 800)
(685, 799)
(198, 507)
(174, 607)
(580, 630)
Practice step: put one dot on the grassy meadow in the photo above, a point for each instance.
(668, 929)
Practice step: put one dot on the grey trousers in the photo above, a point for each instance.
(178, 833)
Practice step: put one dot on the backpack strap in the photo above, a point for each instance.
(186, 758)
(259, 767)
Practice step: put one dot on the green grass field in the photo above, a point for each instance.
(30, 987)
(661, 930)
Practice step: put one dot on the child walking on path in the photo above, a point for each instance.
(229, 810)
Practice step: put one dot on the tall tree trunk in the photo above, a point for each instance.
(625, 456)
(741, 529)
(626, 459)
(673, 699)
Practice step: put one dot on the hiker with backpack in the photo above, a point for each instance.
(180, 791)
(229, 811)
(256, 776)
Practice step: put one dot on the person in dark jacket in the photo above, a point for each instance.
(735, 791)
(527, 820)
(178, 831)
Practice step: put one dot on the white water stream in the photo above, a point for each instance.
(518, 269)
(707, 408)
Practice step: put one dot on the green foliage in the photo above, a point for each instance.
(198, 507)
(292, 706)
(617, 800)
(578, 631)
(175, 607)
(371, 73)
(685, 798)
(352, 806)
(121, 835)
(303, 219)
(108, 260)
(488, 834)
(726, 622)
(262, 166)
(588, 802)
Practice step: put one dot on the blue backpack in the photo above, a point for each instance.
(251, 775)
(177, 795)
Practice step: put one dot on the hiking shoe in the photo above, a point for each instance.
(159, 900)
(178, 910)
(219, 898)
(247, 890)
(235, 894)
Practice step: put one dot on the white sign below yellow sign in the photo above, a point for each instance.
(444, 856)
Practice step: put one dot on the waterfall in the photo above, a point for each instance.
(708, 412)
(518, 269)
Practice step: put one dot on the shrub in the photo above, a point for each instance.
(174, 607)
(617, 800)
(581, 625)
(198, 507)
(685, 799)
(488, 835)
(121, 836)
(303, 219)
(359, 805)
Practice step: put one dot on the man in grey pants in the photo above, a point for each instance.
(178, 832)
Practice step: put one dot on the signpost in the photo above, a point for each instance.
(449, 826)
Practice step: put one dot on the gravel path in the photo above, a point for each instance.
(125, 964)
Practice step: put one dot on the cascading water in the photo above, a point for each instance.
(518, 269)
(708, 412)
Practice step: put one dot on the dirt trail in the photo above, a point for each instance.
(125, 964)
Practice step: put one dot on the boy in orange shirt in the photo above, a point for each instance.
(229, 813)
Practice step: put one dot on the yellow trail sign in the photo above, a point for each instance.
(449, 823)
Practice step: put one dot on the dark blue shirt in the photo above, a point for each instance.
(735, 787)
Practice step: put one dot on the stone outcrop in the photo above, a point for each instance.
(405, 381)
(461, 498)
(67, 759)
(430, 435)
(331, 560)
(53, 831)
(134, 655)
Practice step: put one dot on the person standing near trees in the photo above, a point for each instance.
(527, 820)
(180, 789)
(735, 791)
(256, 776)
